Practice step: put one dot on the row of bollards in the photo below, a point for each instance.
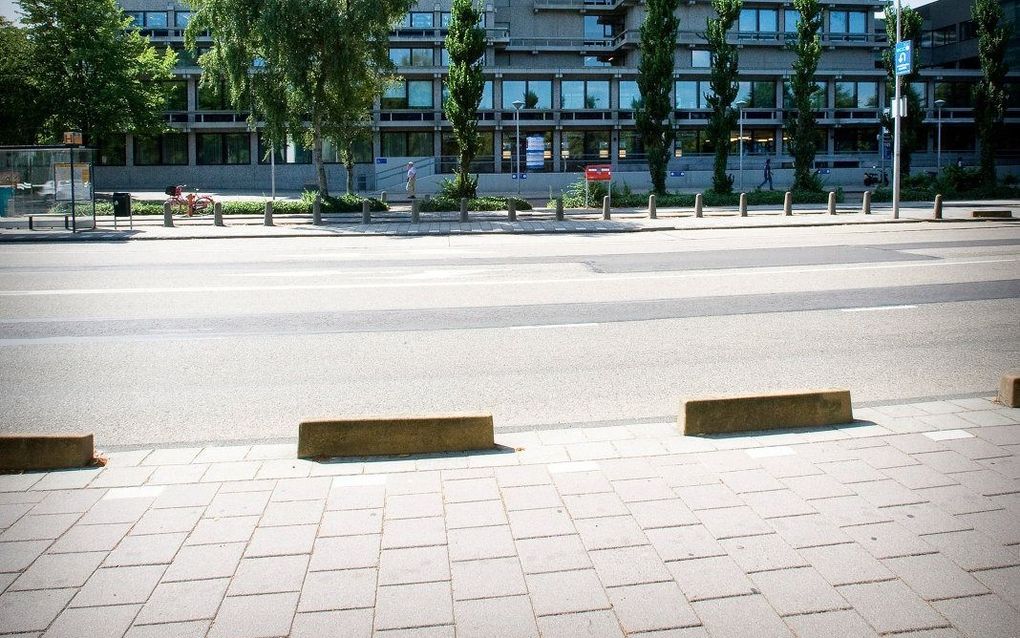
(366, 214)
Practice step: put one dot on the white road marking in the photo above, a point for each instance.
(948, 435)
(488, 283)
(874, 308)
(554, 325)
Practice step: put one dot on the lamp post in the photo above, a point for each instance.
(939, 104)
(518, 104)
(897, 115)
(740, 109)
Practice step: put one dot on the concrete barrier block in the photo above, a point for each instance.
(748, 412)
(375, 436)
(1009, 389)
(45, 451)
(992, 214)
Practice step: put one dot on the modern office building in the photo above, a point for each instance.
(573, 64)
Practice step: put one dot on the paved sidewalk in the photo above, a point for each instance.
(907, 523)
(396, 222)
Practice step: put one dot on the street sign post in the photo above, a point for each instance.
(903, 54)
(902, 65)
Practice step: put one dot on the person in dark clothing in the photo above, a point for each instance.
(768, 175)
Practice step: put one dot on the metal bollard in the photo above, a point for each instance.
(788, 204)
(606, 214)
(268, 221)
(559, 209)
(832, 202)
(382, 197)
(699, 203)
(743, 204)
(463, 210)
(415, 214)
(317, 210)
(511, 209)
(652, 213)
(866, 203)
(217, 214)
(168, 215)
(366, 212)
(938, 207)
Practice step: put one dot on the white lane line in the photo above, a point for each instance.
(554, 325)
(488, 283)
(874, 308)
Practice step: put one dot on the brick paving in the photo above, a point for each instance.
(906, 524)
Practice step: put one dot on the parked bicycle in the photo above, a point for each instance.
(182, 203)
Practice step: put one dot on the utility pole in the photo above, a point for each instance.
(897, 114)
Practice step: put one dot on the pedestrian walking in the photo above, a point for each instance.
(767, 175)
(412, 178)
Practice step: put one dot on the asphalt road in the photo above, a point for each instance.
(166, 342)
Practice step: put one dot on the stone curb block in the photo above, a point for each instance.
(45, 451)
(743, 413)
(377, 436)
(992, 214)
(1009, 389)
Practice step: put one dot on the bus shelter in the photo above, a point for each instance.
(39, 182)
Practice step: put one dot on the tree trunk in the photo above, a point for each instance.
(349, 165)
(320, 169)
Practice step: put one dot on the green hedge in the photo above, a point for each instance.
(342, 204)
(928, 194)
(574, 197)
(448, 204)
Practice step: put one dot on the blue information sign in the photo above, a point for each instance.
(380, 160)
(903, 56)
(676, 173)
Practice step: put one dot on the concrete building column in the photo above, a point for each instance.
(557, 147)
(497, 149)
(614, 147)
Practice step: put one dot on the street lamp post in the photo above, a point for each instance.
(518, 104)
(939, 104)
(897, 115)
(740, 106)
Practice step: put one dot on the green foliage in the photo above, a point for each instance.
(655, 79)
(347, 203)
(953, 184)
(93, 70)
(448, 204)
(723, 80)
(341, 204)
(803, 129)
(465, 42)
(990, 95)
(288, 62)
(19, 99)
(573, 197)
(912, 129)
(452, 188)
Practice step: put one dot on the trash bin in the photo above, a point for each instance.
(122, 204)
(6, 192)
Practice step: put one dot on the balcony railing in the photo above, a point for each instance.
(588, 5)
(560, 43)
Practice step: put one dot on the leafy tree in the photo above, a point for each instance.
(94, 72)
(723, 81)
(990, 96)
(308, 66)
(803, 128)
(912, 130)
(655, 79)
(466, 43)
(19, 99)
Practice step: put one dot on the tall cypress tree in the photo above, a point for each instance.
(912, 128)
(990, 96)
(802, 126)
(466, 43)
(655, 78)
(724, 88)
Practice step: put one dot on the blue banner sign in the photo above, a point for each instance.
(903, 55)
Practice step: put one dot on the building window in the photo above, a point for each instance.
(843, 22)
(791, 17)
(406, 143)
(155, 19)
(819, 99)
(408, 94)
(755, 21)
(920, 89)
(177, 96)
(701, 59)
(630, 95)
(181, 19)
(632, 146)
(223, 148)
(956, 94)
(112, 151)
(968, 31)
(691, 94)
(757, 141)
(444, 20)
(412, 57)
(291, 152)
(855, 140)
(757, 95)
(486, 147)
(856, 95)
(485, 104)
(536, 94)
(596, 29)
(137, 18)
(579, 95)
(419, 20)
(581, 147)
(692, 142)
(942, 37)
(598, 61)
(169, 149)
(213, 98)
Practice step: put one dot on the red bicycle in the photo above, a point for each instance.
(187, 203)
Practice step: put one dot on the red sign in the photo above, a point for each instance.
(598, 172)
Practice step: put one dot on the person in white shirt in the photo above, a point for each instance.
(412, 176)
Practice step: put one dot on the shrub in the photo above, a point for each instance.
(449, 204)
